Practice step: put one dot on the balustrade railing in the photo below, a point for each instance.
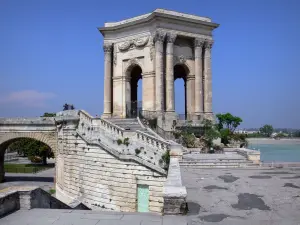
(152, 141)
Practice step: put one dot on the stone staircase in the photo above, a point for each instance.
(226, 160)
(128, 124)
(131, 125)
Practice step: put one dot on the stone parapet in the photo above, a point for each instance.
(174, 192)
(251, 155)
(26, 197)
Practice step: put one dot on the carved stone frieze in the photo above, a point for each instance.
(140, 42)
(171, 37)
(159, 36)
(182, 59)
(137, 42)
(107, 47)
(125, 46)
(208, 44)
(199, 42)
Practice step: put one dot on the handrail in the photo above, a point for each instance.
(122, 156)
(143, 137)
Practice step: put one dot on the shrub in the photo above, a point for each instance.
(165, 160)
(52, 191)
(119, 141)
(126, 141)
(35, 159)
(137, 151)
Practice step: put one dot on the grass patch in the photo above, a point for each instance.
(52, 191)
(26, 168)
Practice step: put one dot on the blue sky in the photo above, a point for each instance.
(51, 53)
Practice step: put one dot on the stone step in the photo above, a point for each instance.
(124, 121)
(215, 161)
(219, 166)
(212, 164)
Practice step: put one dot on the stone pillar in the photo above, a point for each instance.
(2, 171)
(170, 73)
(159, 70)
(128, 96)
(207, 78)
(190, 96)
(107, 47)
(198, 43)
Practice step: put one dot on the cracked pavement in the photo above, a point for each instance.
(242, 196)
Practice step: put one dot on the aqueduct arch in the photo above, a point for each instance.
(41, 129)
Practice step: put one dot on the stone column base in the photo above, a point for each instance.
(106, 115)
(167, 121)
(198, 116)
(209, 116)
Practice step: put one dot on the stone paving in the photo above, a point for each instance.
(215, 196)
(243, 196)
(43, 179)
(82, 217)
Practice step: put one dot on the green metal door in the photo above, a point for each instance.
(143, 198)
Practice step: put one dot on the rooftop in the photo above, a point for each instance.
(158, 12)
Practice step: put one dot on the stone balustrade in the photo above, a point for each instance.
(152, 141)
(174, 192)
(142, 147)
(251, 155)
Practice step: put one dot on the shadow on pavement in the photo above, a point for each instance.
(194, 208)
(27, 178)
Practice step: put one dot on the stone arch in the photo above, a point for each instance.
(133, 74)
(184, 66)
(133, 63)
(6, 138)
(182, 71)
(49, 138)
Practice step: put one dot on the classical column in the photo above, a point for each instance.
(198, 44)
(159, 70)
(207, 77)
(170, 73)
(190, 96)
(107, 47)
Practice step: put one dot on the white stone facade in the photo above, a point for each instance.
(94, 169)
(164, 45)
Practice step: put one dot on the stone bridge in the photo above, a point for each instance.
(41, 128)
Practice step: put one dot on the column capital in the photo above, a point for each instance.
(199, 42)
(171, 37)
(208, 44)
(107, 47)
(159, 36)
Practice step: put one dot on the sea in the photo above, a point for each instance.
(277, 150)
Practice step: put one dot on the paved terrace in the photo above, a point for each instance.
(82, 217)
(215, 196)
(243, 196)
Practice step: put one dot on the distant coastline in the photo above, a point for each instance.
(273, 141)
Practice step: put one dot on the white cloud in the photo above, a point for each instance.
(30, 98)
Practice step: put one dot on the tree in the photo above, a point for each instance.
(210, 133)
(32, 148)
(266, 130)
(68, 107)
(46, 114)
(228, 121)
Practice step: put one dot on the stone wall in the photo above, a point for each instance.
(29, 198)
(99, 179)
(9, 203)
(174, 192)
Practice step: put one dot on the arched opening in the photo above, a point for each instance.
(32, 153)
(134, 91)
(180, 77)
